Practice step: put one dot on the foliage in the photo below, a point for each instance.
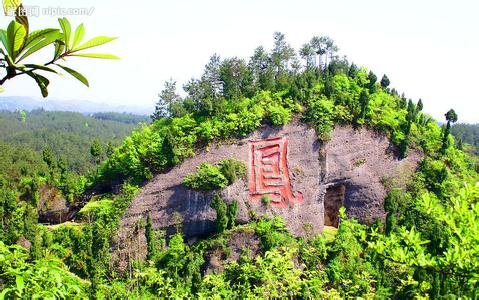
(457, 262)
(19, 43)
(428, 248)
(212, 177)
(467, 134)
(125, 118)
(44, 278)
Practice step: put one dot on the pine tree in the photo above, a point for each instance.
(419, 106)
(167, 98)
(219, 205)
(232, 213)
(150, 238)
(451, 117)
(385, 81)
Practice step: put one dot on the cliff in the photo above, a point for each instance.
(306, 182)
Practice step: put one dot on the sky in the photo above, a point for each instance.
(428, 49)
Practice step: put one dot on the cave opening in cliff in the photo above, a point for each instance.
(333, 201)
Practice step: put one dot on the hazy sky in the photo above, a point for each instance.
(429, 49)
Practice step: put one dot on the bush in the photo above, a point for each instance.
(207, 177)
(213, 177)
(278, 115)
(232, 169)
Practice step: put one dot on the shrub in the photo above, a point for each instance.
(278, 115)
(265, 200)
(232, 169)
(212, 177)
(207, 177)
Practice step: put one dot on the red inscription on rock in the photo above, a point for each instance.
(269, 175)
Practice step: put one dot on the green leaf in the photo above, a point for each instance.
(39, 35)
(9, 6)
(16, 35)
(21, 18)
(41, 67)
(75, 74)
(96, 55)
(97, 41)
(4, 293)
(59, 48)
(49, 39)
(42, 82)
(20, 283)
(79, 34)
(4, 39)
(67, 31)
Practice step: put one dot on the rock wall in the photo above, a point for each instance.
(362, 161)
(288, 165)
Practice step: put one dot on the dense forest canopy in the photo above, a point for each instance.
(67, 136)
(427, 248)
(467, 136)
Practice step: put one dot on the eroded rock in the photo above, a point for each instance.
(300, 177)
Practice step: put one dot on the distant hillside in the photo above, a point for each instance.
(69, 135)
(467, 134)
(127, 118)
(85, 107)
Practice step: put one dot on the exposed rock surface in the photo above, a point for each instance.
(349, 170)
(52, 207)
(361, 161)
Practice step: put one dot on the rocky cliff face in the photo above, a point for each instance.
(305, 181)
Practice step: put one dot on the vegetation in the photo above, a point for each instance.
(66, 136)
(467, 136)
(212, 177)
(427, 248)
(19, 43)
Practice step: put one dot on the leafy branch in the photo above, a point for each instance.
(18, 44)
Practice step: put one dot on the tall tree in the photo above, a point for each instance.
(420, 106)
(167, 98)
(211, 78)
(372, 78)
(282, 53)
(330, 48)
(385, 81)
(320, 49)
(150, 238)
(451, 117)
(261, 68)
(236, 79)
(96, 150)
(307, 53)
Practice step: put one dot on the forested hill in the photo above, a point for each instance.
(426, 247)
(467, 136)
(25, 135)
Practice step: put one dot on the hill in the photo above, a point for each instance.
(69, 135)
(81, 106)
(421, 240)
(467, 134)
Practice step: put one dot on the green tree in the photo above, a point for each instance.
(232, 213)
(49, 159)
(372, 78)
(96, 151)
(420, 105)
(168, 149)
(221, 208)
(451, 117)
(150, 238)
(167, 98)
(385, 81)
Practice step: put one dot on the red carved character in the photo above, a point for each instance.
(269, 175)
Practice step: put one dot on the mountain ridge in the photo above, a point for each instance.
(12, 103)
